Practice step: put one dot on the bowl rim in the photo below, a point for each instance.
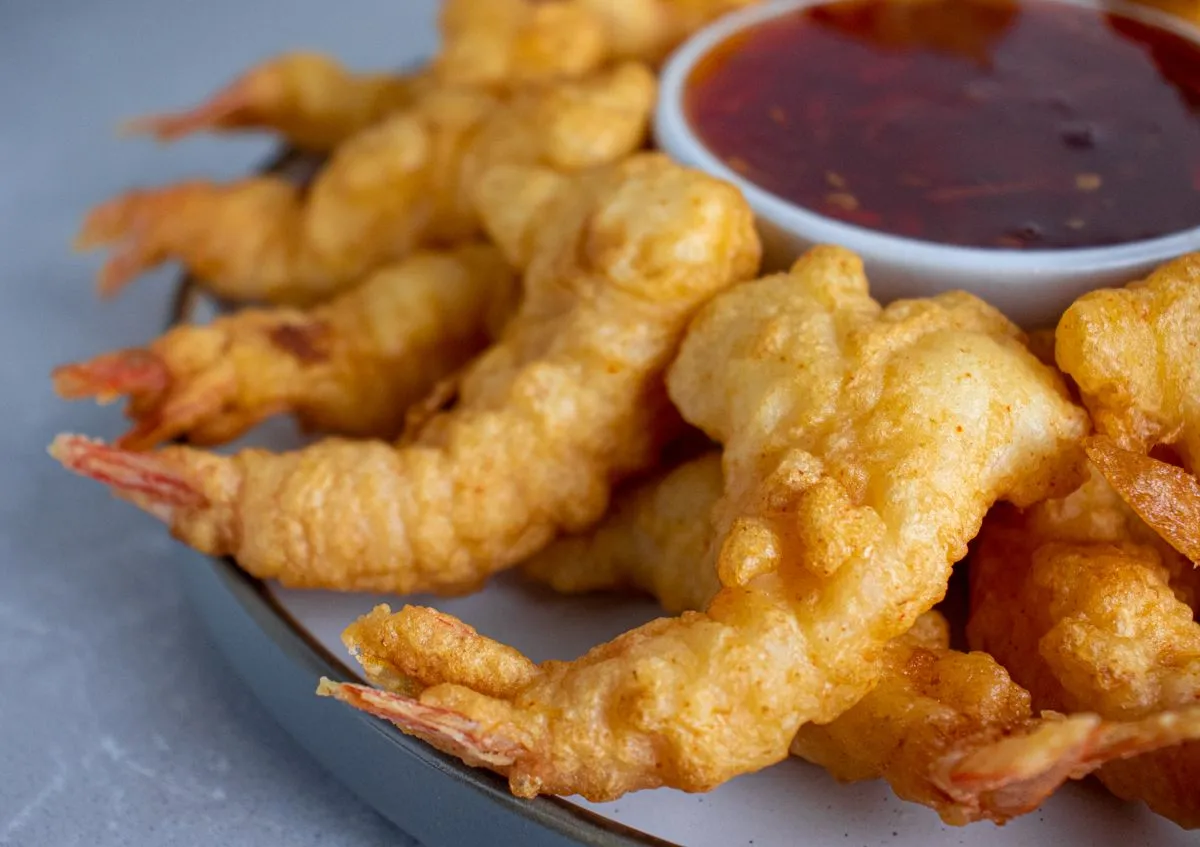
(676, 136)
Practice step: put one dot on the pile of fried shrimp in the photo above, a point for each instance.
(502, 313)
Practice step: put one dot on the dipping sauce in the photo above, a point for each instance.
(983, 123)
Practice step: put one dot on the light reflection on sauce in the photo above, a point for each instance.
(971, 122)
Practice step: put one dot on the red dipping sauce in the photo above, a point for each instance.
(966, 122)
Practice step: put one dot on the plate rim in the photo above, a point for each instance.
(301, 647)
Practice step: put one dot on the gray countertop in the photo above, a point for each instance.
(119, 724)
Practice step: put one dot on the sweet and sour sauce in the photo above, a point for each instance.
(982, 123)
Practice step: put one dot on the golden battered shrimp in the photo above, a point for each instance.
(1134, 352)
(502, 41)
(1080, 603)
(351, 366)
(568, 402)
(953, 731)
(946, 729)
(862, 448)
(309, 99)
(655, 540)
(403, 183)
(649, 30)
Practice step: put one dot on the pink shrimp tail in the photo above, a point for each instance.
(445, 729)
(108, 221)
(210, 114)
(116, 221)
(1164, 496)
(133, 223)
(142, 476)
(106, 377)
(1029, 767)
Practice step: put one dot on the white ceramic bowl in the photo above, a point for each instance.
(1032, 287)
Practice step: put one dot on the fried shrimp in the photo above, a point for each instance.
(1134, 352)
(309, 99)
(946, 729)
(655, 541)
(352, 366)
(497, 41)
(954, 732)
(1089, 611)
(403, 183)
(862, 448)
(568, 402)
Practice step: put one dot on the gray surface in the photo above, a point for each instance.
(119, 724)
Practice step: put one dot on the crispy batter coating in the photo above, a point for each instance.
(405, 182)
(1134, 352)
(502, 41)
(309, 99)
(352, 366)
(1076, 599)
(650, 29)
(655, 540)
(498, 42)
(568, 402)
(418, 647)
(946, 729)
(862, 448)
(954, 732)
